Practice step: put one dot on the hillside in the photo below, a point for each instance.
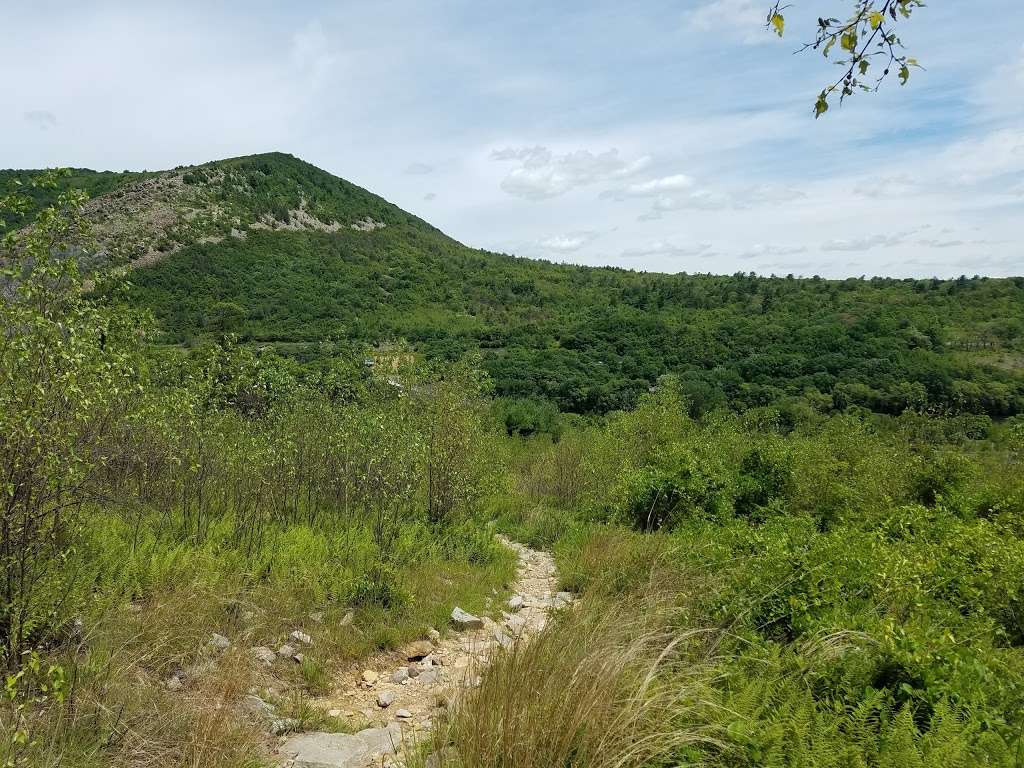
(281, 252)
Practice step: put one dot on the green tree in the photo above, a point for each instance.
(67, 366)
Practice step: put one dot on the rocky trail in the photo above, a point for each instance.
(398, 695)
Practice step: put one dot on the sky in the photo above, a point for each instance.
(663, 135)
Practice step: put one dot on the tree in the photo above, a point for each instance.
(869, 48)
(67, 366)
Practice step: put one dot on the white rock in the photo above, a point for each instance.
(370, 677)
(405, 714)
(286, 652)
(515, 602)
(301, 637)
(434, 636)
(400, 675)
(464, 620)
(219, 642)
(264, 655)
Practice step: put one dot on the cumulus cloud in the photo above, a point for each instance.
(668, 249)
(650, 188)
(41, 119)
(419, 169)
(542, 174)
(763, 250)
(708, 199)
(865, 243)
(568, 243)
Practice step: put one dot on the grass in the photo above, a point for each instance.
(612, 684)
(120, 711)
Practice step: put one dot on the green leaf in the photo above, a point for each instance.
(904, 74)
(778, 23)
(876, 18)
(864, 64)
(820, 106)
(828, 46)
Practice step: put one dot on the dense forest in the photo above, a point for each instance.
(588, 340)
(791, 509)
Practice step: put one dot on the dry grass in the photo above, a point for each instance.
(609, 685)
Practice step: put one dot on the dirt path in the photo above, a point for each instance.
(394, 697)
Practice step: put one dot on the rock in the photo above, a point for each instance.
(300, 637)
(400, 675)
(264, 655)
(174, 683)
(417, 650)
(283, 725)
(515, 624)
(503, 640)
(257, 706)
(428, 677)
(219, 642)
(463, 620)
(561, 599)
(317, 616)
(403, 714)
(413, 670)
(299, 658)
(515, 602)
(385, 699)
(370, 677)
(434, 636)
(334, 713)
(286, 652)
(346, 620)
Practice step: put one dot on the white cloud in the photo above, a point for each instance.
(762, 250)
(666, 248)
(430, 196)
(542, 174)
(743, 17)
(651, 188)
(568, 243)
(865, 243)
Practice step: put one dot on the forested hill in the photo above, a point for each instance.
(280, 252)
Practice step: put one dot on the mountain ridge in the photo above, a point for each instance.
(280, 252)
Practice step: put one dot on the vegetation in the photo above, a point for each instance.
(869, 48)
(792, 508)
(842, 592)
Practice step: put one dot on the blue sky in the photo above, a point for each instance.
(670, 136)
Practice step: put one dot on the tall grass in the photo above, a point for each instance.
(612, 683)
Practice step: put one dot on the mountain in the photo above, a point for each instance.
(286, 254)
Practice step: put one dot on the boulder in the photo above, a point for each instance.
(463, 620)
(515, 602)
(385, 699)
(417, 650)
(342, 750)
(400, 675)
